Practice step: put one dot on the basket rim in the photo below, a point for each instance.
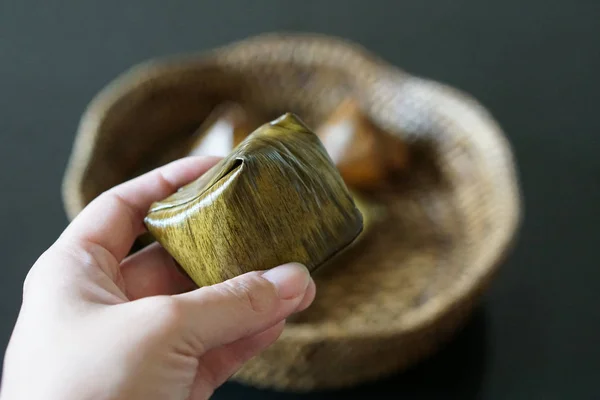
(91, 122)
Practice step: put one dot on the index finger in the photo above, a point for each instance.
(116, 218)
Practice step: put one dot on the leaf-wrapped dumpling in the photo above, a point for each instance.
(276, 198)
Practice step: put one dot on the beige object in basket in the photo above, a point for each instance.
(394, 297)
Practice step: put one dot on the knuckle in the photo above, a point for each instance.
(108, 198)
(165, 183)
(165, 311)
(34, 277)
(252, 291)
(115, 197)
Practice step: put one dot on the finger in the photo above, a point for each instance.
(218, 364)
(153, 272)
(309, 297)
(243, 306)
(114, 219)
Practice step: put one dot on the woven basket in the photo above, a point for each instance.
(399, 294)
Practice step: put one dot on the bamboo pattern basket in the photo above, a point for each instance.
(406, 289)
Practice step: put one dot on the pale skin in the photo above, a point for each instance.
(96, 323)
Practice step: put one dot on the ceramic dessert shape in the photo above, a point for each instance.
(276, 198)
(364, 154)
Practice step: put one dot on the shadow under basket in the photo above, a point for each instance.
(394, 297)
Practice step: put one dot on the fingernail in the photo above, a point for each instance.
(291, 280)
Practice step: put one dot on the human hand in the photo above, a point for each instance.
(96, 324)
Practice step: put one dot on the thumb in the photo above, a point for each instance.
(243, 306)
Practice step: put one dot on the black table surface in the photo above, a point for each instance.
(534, 64)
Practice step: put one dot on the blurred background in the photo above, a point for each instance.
(533, 64)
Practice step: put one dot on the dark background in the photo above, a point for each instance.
(534, 64)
